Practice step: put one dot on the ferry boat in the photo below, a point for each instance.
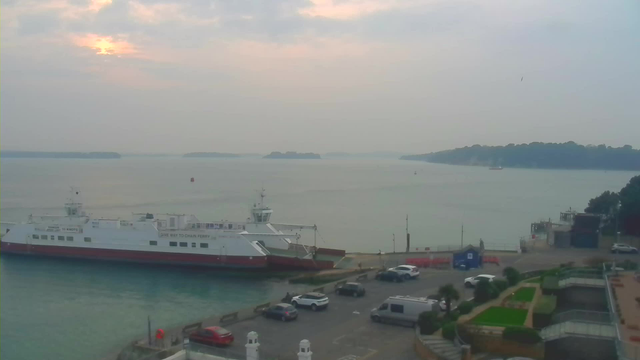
(175, 239)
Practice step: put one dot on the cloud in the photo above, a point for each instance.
(105, 45)
(351, 9)
(165, 13)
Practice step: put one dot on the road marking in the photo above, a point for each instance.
(335, 341)
(370, 354)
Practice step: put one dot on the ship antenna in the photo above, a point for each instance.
(262, 195)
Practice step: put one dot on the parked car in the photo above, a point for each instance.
(351, 289)
(313, 300)
(282, 311)
(389, 275)
(473, 280)
(407, 271)
(623, 248)
(404, 309)
(212, 336)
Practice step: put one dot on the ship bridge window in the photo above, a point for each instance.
(87, 239)
(184, 244)
(173, 243)
(69, 238)
(61, 238)
(230, 226)
(204, 245)
(193, 244)
(35, 236)
(153, 243)
(44, 237)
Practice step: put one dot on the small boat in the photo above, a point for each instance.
(496, 168)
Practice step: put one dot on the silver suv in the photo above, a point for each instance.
(623, 248)
(313, 300)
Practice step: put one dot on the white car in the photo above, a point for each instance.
(407, 271)
(313, 300)
(623, 248)
(473, 280)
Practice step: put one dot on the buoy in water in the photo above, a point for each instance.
(193, 179)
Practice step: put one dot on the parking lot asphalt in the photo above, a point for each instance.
(344, 330)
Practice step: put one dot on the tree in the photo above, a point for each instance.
(604, 204)
(630, 206)
(448, 293)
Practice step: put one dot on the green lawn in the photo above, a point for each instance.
(524, 294)
(533, 281)
(500, 316)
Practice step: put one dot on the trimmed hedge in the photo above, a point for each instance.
(521, 334)
(545, 305)
(550, 285)
(428, 322)
(449, 331)
(542, 312)
(465, 307)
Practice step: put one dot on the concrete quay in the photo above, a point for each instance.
(345, 332)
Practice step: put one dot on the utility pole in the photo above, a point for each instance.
(394, 243)
(408, 235)
(149, 328)
(462, 236)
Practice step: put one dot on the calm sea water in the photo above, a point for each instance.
(57, 309)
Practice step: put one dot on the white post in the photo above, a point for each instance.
(305, 350)
(252, 346)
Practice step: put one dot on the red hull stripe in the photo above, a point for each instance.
(136, 256)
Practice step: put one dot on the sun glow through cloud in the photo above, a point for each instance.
(105, 45)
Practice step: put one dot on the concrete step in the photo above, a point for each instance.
(442, 347)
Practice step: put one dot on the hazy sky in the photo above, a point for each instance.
(316, 75)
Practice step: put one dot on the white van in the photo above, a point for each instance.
(403, 309)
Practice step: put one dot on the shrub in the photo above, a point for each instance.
(428, 322)
(512, 275)
(452, 316)
(500, 284)
(521, 334)
(485, 291)
(465, 307)
(449, 331)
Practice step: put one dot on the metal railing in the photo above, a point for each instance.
(625, 350)
(583, 316)
(578, 328)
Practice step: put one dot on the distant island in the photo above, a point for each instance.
(567, 155)
(291, 155)
(58, 155)
(210, 155)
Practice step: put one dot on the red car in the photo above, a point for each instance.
(213, 335)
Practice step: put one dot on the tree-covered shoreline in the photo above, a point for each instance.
(567, 155)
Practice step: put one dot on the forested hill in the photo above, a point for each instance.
(539, 155)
